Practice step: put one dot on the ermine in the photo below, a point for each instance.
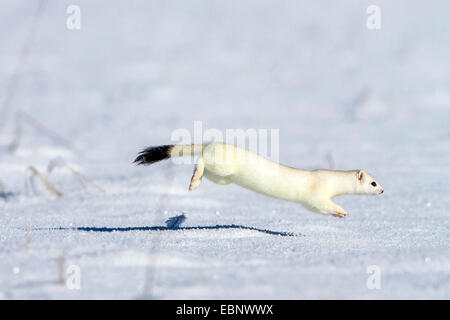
(224, 164)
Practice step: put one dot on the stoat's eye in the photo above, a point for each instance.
(374, 183)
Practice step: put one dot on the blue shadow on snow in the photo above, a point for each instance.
(163, 228)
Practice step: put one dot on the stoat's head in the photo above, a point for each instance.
(365, 184)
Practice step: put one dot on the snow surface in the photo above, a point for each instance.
(340, 94)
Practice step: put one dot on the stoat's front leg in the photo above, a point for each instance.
(337, 210)
(329, 207)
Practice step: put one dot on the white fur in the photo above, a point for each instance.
(224, 164)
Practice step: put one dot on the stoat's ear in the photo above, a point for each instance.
(361, 174)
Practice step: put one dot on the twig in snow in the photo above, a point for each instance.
(59, 162)
(24, 117)
(44, 180)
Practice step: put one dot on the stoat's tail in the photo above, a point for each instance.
(157, 153)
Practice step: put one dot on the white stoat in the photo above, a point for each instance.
(225, 164)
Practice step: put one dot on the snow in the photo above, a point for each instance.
(138, 70)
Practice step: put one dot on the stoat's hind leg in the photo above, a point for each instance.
(198, 174)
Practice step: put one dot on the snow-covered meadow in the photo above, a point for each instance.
(342, 96)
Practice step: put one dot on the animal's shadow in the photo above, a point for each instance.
(177, 228)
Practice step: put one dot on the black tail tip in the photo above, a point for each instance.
(153, 154)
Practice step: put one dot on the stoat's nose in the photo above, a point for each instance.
(381, 191)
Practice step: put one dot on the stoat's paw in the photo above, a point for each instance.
(339, 214)
(194, 184)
